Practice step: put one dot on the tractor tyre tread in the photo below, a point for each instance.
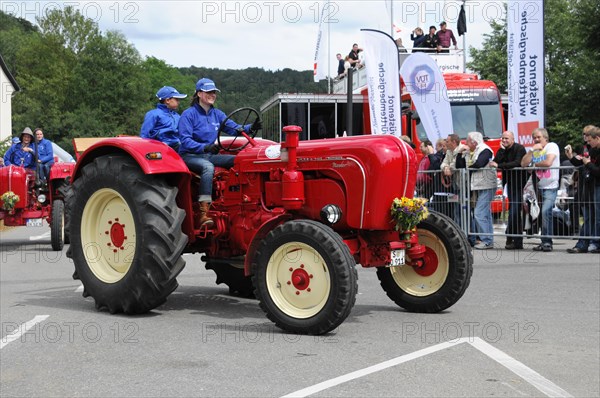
(160, 241)
(57, 225)
(344, 277)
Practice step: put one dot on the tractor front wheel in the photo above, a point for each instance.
(305, 277)
(126, 236)
(67, 192)
(57, 225)
(444, 276)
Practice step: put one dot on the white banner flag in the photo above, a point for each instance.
(383, 82)
(525, 49)
(426, 85)
(320, 65)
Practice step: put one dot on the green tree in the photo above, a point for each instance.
(13, 33)
(109, 80)
(79, 81)
(44, 70)
(160, 74)
(69, 27)
(491, 60)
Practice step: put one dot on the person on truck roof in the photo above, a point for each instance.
(162, 123)
(445, 36)
(431, 41)
(198, 129)
(22, 153)
(418, 38)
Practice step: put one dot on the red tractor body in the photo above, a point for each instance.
(36, 201)
(290, 223)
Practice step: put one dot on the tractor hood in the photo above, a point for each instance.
(372, 169)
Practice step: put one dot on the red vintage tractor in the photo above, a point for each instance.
(291, 223)
(28, 201)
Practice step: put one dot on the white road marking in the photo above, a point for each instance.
(532, 377)
(45, 235)
(305, 392)
(79, 289)
(23, 328)
(529, 375)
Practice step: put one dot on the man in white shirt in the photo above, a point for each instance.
(545, 157)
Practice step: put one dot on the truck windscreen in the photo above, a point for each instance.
(466, 117)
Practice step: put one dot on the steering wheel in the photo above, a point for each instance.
(246, 114)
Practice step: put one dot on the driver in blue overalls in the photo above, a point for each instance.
(198, 129)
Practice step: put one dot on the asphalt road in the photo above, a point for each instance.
(529, 325)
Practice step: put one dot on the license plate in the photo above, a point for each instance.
(34, 222)
(397, 258)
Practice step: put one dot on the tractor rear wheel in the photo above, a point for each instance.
(305, 277)
(57, 226)
(126, 236)
(444, 277)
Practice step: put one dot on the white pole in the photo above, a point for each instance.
(328, 54)
(392, 18)
(464, 46)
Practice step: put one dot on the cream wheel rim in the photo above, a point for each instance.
(108, 235)
(436, 255)
(298, 280)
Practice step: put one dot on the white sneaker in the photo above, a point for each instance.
(483, 246)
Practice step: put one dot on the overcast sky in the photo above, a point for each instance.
(269, 34)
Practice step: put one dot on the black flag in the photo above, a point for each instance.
(461, 26)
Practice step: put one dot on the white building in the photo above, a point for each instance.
(8, 86)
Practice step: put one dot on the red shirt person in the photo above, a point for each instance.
(445, 36)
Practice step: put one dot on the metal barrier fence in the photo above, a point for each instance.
(568, 205)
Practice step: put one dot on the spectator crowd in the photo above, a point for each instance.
(529, 176)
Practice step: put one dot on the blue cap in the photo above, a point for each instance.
(169, 92)
(16, 140)
(205, 84)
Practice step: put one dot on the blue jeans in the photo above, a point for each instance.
(44, 171)
(548, 199)
(482, 217)
(204, 166)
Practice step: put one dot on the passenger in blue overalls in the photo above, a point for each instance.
(45, 154)
(22, 153)
(162, 123)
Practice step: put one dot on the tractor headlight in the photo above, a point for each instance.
(41, 198)
(331, 214)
